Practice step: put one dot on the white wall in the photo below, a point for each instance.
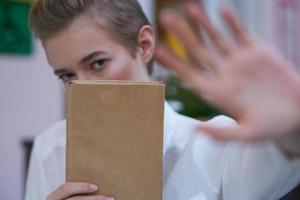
(256, 15)
(31, 99)
(149, 9)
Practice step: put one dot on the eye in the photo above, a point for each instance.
(98, 64)
(67, 77)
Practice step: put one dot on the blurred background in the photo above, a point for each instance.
(32, 98)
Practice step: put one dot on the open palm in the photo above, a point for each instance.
(252, 83)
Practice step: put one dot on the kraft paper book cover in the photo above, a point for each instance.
(115, 137)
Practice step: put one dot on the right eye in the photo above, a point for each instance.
(98, 65)
(66, 77)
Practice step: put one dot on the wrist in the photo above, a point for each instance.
(290, 143)
(289, 146)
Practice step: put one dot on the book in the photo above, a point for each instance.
(115, 137)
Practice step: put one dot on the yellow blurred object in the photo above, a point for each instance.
(176, 46)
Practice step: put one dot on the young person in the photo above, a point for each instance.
(113, 40)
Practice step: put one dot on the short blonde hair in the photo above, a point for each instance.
(122, 19)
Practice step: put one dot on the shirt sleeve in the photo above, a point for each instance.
(258, 171)
(36, 183)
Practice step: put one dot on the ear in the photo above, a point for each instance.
(146, 41)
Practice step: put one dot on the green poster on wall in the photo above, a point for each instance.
(15, 37)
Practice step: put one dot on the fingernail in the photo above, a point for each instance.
(93, 187)
(109, 198)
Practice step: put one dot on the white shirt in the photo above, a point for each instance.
(196, 167)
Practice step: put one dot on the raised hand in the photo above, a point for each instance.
(247, 80)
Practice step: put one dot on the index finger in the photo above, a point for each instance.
(72, 188)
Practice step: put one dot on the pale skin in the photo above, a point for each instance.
(237, 78)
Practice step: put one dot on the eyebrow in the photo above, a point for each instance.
(60, 71)
(91, 56)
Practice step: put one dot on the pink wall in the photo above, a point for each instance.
(31, 99)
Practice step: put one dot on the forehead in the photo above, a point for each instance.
(84, 36)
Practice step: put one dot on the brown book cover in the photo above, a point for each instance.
(115, 137)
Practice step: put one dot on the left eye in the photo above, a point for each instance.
(98, 65)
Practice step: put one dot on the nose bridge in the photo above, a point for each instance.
(86, 75)
(82, 75)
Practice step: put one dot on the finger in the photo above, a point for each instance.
(184, 70)
(72, 188)
(100, 197)
(180, 28)
(196, 29)
(196, 15)
(236, 133)
(240, 34)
